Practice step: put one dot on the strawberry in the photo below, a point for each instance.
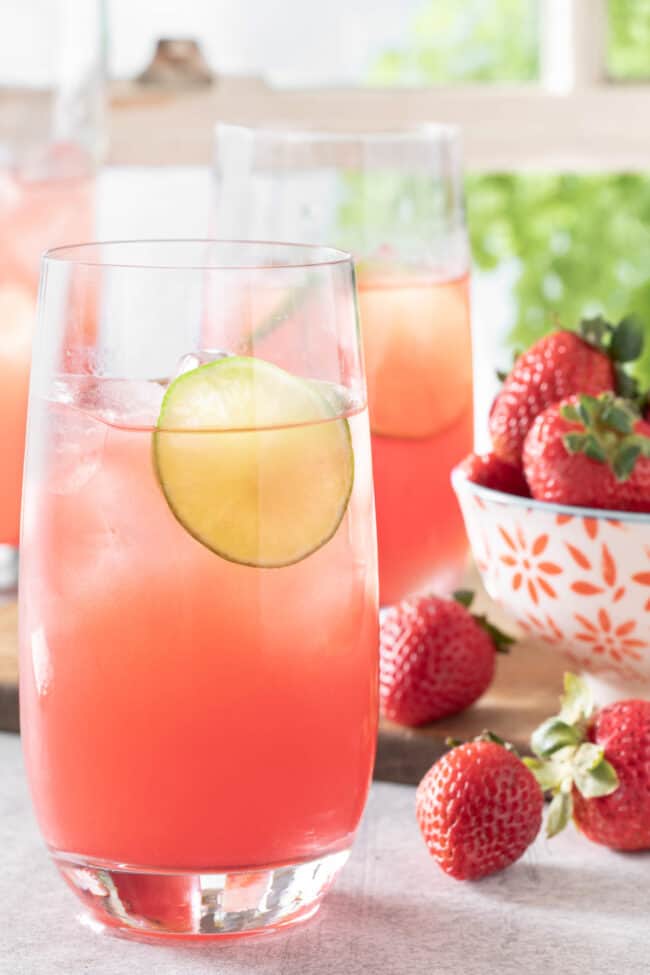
(560, 365)
(479, 808)
(597, 765)
(435, 658)
(590, 452)
(491, 471)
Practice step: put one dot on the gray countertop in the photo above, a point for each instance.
(567, 907)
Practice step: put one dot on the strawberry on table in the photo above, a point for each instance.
(590, 452)
(597, 765)
(479, 808)
(435, 658)
(491, 471)
(560, 365)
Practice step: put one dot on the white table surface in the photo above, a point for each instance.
(568, 907)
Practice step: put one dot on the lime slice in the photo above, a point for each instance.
(253, 461)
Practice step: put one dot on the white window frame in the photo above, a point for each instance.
(574, 118)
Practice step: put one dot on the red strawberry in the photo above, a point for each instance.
(560, 365)
(491, 471)
(620, 820)
(435, 658)
(590, 452)
(479, 809)
(598, 767)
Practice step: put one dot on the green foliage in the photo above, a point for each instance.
(582, 242)
(465, 41)
(629, 38)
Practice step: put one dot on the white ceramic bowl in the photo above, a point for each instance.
(577, 579)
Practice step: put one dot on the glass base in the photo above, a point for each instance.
(156, 905)
(8, 569)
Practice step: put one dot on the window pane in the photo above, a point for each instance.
(628, 53)
(367, 42)
(478, 40)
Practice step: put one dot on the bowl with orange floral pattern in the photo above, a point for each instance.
(575, 579)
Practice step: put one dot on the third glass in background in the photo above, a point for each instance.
(50, 138)
(396, 201)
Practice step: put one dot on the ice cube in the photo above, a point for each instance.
(76, 446)
(192, 360)
(122, 402)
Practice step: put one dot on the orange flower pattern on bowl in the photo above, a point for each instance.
(578, 581)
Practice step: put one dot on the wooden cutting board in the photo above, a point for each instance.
(524, 692)
(9, 667)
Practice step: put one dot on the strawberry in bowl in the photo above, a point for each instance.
(571, 561)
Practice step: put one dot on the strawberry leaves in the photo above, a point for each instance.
(566, 760)
(626, 340)
(607, 435)
(623, 343)
(576, 704)
(502, 641)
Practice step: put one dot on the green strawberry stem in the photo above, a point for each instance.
(485, 735)
(606, 433)
(502, 641)
(565, 759)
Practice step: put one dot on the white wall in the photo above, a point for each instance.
(286, 41)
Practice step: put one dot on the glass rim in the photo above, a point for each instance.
(409, 131)
(79, 254)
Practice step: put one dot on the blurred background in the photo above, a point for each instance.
(551, 95)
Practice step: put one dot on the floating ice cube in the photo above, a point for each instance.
(76, 445)
(122, 402)
(192, 360)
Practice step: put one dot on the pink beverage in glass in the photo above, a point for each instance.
(40, 205)
(416, 336)
(395, 201)
(199, 728)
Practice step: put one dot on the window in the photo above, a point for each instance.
(365, 42)
(552, 96)
(628, 50)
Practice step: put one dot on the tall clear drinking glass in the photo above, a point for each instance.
(51, 84)
(395, 200)
(198, 585)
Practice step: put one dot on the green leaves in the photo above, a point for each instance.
(593, 775)
(622, 342)
(626, 343)
(552, 735)
(576, 704)
(617, 418)
(559, 812)
(594, 450)
(596, 331)
(607, 432)
(625, 459)
(570, 412)
(464, 596)
(502, 641)
(566, 760)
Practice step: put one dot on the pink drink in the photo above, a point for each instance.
(416, 336)
(39, 208)
(186, 711)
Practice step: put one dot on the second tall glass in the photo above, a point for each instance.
(395, 200)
